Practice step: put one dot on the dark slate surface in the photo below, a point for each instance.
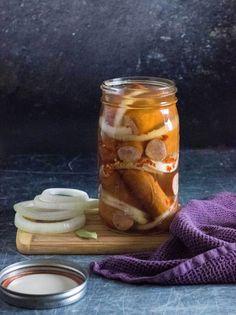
(203, 172)
(54, 55)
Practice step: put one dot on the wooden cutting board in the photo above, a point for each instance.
(108, 242)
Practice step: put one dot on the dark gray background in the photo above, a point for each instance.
(54, 55)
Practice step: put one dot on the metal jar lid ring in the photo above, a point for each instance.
(43, 283)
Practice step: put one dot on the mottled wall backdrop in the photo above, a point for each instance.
(54, 54)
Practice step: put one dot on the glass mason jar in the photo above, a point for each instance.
(138, 147)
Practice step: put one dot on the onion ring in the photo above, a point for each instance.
(49, 228)
(125, 133)
(78, 205)
(159, 219)
(63, 195)
(59, 210)
(28, 210)
(92, 203)
(135, 213)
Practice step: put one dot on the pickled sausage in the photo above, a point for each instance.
(141, 121)
(156, 150)
(130, 151)
(114, 185)
(115, 218)
(147, 191)
(106, 149)
(171, 141)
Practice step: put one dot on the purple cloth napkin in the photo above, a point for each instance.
(202, 248)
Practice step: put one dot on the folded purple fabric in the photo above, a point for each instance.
(202, 248)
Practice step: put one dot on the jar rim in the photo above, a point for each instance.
(163, 85)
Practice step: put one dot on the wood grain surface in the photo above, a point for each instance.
(108, 242)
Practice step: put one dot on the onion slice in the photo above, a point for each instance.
(28, 210)
(159, 219)
(91, 206)
(63, 195)
(175, 184)
(56, 210)
(59, 205)
(117, 132)
(125, 133)
(166, 167)
(49, 228)
(92, 203)
(155, 167)
(135, 213)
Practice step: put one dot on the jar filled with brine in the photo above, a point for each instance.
(138, 145)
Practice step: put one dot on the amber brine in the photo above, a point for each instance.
(138, 147)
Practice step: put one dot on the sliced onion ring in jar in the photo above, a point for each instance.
(133, 166)
(162, 166)
(114, 132)
(153, 167)
(166, 167)
(159, 219)
(63, 195)
(49, 228)
(76, 205)
(119, 115)
(175, 184)
(135, 213)
(28, 210)
(125, 133)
